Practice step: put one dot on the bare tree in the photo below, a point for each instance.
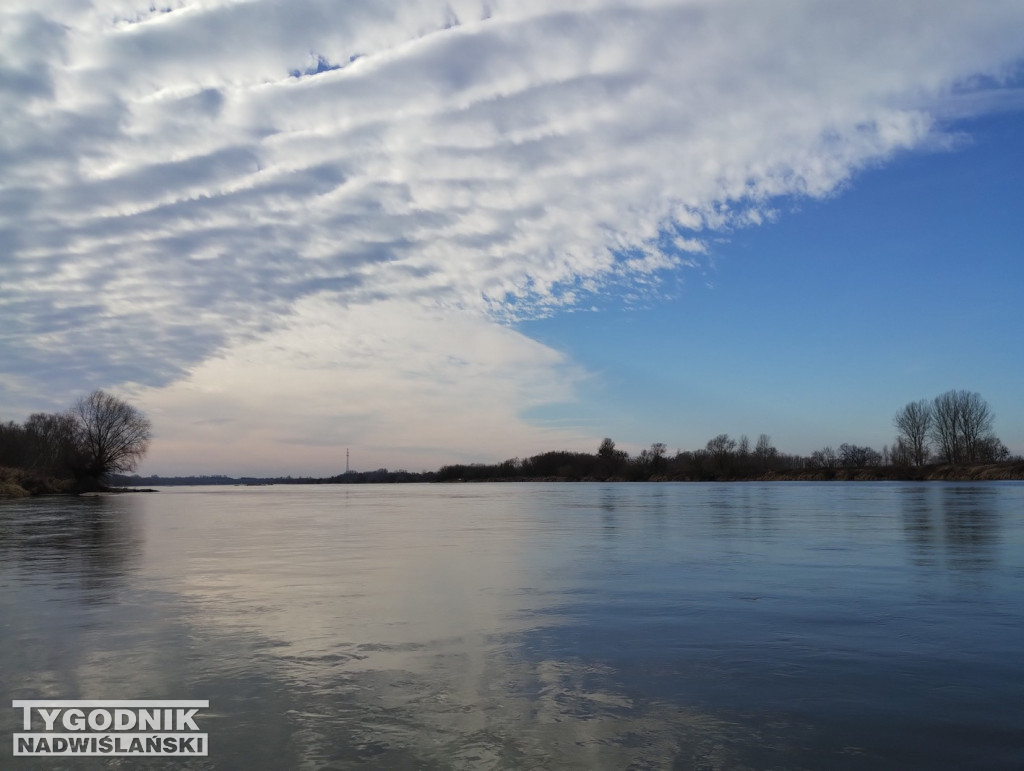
(975, 425)
(824, 458)
(914, 424)
(721, 448)
(992, 450)
(854, 456)
(900, 454)
(112, 435)
(52, 439)
(962, 426)
(13, 445)
(609, 460)
(764, 450)
(654, 458)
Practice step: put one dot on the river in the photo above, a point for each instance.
(532, 626)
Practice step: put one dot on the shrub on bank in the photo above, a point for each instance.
(18, 483)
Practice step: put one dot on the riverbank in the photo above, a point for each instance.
(23, 483)
(985, 472)
(20, 483)
(1012, 470)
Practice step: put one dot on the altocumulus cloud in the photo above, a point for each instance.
(222, 207)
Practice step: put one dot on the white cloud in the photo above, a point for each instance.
(402, 384)
(170, 188)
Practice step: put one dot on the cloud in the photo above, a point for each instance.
(178, 178)
(400, 383)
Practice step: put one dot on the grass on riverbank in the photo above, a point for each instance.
(19, 483)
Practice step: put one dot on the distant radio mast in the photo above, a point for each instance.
(346, 460)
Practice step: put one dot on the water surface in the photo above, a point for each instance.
(744, 625)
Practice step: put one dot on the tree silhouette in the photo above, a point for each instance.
(914, 424)
(112, 435)
(962, 426)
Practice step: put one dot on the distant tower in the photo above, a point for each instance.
(346, 460)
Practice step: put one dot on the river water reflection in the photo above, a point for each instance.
(748, 625)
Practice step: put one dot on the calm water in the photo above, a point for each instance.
(558, 626)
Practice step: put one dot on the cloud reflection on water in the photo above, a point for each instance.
(511, 626)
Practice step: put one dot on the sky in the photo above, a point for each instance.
(434, 232)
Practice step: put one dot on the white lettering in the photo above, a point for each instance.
(99, 719)
(119, 727)
(149, 720)
(111, 744)
(74, 720)
(124, 719)
(49, 716)
(185, 719)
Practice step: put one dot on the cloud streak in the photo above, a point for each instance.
(177, 180)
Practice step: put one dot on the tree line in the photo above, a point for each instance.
(722, 458)
(78, 448)
(377, 476)
(953, 428)
(101, 437)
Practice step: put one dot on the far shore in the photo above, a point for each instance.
(989, 472)
(14, 484)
